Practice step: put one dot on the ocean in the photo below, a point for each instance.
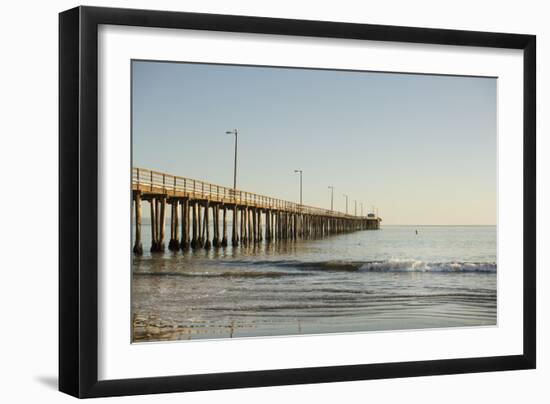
(388, 279)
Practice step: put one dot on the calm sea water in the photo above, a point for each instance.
(390, 279)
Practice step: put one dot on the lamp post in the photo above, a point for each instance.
(331, 197)
(236, 133)
(234, 237)
(346, 203)
(361, 208)
(301, 172)
(355, 207)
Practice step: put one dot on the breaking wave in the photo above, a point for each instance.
(421, 266)
(392, 265)
(275, 269)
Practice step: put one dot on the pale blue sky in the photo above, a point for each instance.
(421, 148)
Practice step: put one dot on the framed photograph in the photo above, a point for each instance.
(249, 201)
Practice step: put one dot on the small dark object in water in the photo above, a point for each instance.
(416, 231)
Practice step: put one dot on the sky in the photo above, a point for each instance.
(422, 149)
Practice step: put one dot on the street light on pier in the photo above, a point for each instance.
(355, 207)
(301, 172)
(236, 133)
(361, 208)
(331, 197)
(346, 196)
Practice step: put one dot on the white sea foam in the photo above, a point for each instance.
(411, 265)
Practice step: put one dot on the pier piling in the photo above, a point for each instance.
(185, 225)
(207, 243)
(235, 237)
(174, 243)
(153, 204)
(224, 227)
(138, 247)
(194, 239)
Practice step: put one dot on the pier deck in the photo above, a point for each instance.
(255, 218)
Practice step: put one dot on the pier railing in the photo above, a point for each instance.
(154, 182)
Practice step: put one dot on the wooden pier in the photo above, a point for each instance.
(200, 213)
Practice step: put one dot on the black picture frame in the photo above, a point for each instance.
(78, 201)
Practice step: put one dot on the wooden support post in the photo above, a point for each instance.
(171, 226)
(267, 230)
(289, 226)
(257, 213)
(174, 244)
(283, 228)
(317, 227)
(157, 217)
(260, 237)
(162, 223)
(201, 226)
(245, 234)
(274, 226)
(153, 204)
(246, 237)
(216, 219)
(266, 226)
(185, 225)
(176, 226)
(138, 247)
(206, 224)
(250, 224)
(252, 220)
(243, 226)
(253, 236)
(285, 225)
(235, 236)
(224, 227)
(194, 240)
(200, 235)
(279, 225)
(214, 227)
(271, 229)
(248, 227)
